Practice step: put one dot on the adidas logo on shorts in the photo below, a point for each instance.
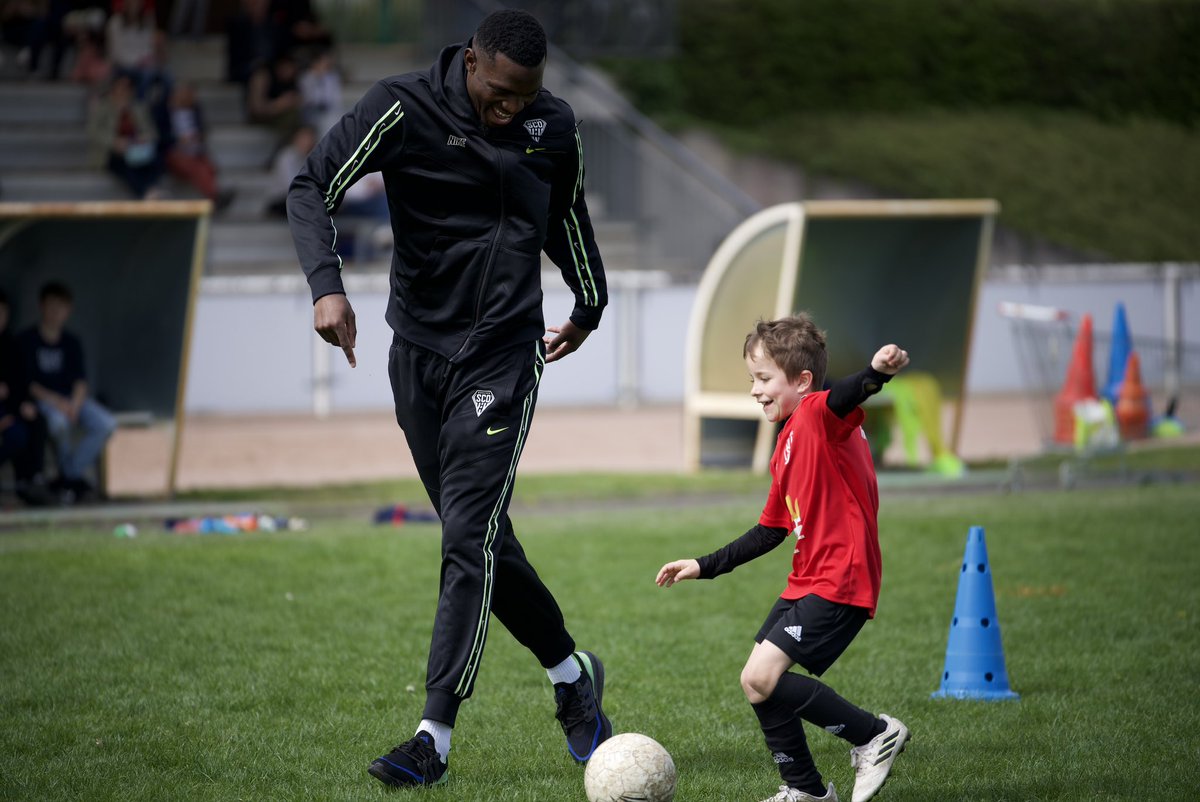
(793, 631)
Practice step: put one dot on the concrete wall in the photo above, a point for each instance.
(254, 349)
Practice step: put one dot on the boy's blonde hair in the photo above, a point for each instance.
(794, 343)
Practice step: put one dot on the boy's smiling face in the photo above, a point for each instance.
(772, 389)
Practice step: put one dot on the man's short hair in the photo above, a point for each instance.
(55, 289)
(516, 34)
(794, 343)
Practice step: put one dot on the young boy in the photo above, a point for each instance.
(823, 491)
(54, 366)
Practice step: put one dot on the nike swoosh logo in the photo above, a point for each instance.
(492, 431)
(529, 150)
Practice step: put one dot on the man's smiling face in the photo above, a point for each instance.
(499, 87)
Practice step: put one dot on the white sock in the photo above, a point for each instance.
(441, 736)
(566, 671)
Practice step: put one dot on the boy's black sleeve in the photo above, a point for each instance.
(849, 392)
(755, 543)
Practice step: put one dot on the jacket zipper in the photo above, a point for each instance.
(491, 259)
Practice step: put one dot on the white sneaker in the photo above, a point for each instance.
(788, 794)
(873, 760)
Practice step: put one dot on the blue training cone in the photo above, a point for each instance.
(974, 655)
(1118, 355)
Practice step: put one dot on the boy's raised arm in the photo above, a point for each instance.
(851, 391)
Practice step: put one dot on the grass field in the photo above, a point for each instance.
(275, 667)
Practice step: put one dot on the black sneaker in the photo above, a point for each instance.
(579, 712)
(414, 762)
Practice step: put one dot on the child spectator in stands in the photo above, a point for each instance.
(135, 45)
(321, 93)
(53, 361)
(22, 430)
(187, 152)
(273, 98)
(286, 164)
(92, 67)
(125, 139)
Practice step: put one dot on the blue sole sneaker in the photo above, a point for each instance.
(580, 710)
(413, 763)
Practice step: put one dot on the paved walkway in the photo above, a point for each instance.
(299, 450)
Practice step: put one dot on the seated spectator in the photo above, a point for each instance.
(249, 41)
(22, 430)
(273, 98)
(18, 19)
(92, 67)
(48, 30)
(286, 164)
(298, 28)
(190, 17)
(135, 45)
(53, 362)
(84, 26)
(125, 139)
(321, 93)
(187, 151)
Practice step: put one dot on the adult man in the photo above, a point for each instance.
(484, 170)
(54, 367)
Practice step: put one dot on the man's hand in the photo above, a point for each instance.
(677, 571)
(567, 339)
(890, 359)
(333, 318)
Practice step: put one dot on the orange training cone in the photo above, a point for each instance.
(1133, 402)
(1080, 384)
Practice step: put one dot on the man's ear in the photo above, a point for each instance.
(803, 384)
(470, 60)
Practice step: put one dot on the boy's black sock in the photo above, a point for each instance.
(784, 733)
(814, 701)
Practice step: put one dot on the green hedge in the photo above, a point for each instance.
(746, 60)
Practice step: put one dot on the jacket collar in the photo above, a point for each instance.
(448, 78)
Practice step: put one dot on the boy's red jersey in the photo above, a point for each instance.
(823, 489)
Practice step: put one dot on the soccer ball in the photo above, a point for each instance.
(630, 768)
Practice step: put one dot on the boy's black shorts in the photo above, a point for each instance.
(812, 631)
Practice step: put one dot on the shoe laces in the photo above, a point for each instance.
(419, 749)
(786, 794)
(575, 703)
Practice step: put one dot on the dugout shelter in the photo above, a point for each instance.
(134, 270)
(870, 272)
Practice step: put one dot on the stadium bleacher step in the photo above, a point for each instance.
(44, 156)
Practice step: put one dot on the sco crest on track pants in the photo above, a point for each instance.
(466, 425)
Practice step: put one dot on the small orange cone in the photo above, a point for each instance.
(1133, 402)
(1080, 384)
